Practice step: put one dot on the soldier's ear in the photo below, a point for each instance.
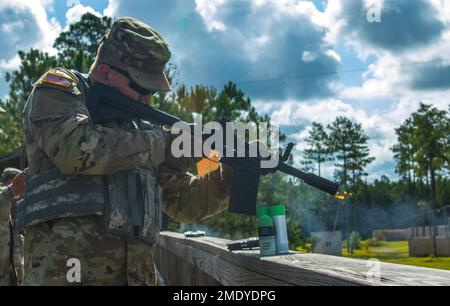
(103, 73)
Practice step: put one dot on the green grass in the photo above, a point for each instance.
(304, 249)
(396, 252)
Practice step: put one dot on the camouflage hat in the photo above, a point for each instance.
(8, 174)
(142, 49)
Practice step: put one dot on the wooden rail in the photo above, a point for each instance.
(207, 261)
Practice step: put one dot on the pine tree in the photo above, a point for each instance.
(403, 153)
(317, 151)
(430, 142)
(78, 45)
(348, 143)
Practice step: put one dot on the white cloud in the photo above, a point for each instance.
(404, 25)
(378, 125)
(392, 78)
(395, 72)
(208, 10)
(74, 13)
(308, 56)
(443, 9)
(10, 64)
(382, 79)
(112, 8)
(334, 55)
(25, 24)
(325, 111)
(49, 5)
(243, 40)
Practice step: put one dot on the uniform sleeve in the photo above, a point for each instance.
(188, 198)
(60, 125)
(6, 198)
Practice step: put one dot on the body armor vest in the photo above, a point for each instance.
(129, 201)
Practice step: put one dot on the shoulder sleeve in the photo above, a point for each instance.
(57, 120)
(62, 79)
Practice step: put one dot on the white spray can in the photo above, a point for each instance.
(278, 214)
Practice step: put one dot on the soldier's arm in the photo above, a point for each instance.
(60, 125)
(188, 198)
(6, 198)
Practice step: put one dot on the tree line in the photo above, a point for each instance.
(421, 153)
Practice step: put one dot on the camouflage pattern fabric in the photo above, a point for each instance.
(17, 261)
(188, 198)
(5, 241)
(5, 235)
(59, 132)
(11, 269)
(141, 49)
(105, 259)
(6, 199)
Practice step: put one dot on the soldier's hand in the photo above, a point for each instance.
(18, 185)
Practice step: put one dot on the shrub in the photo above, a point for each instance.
(354, 241)
(372, 242)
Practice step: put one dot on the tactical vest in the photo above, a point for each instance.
(129, 201)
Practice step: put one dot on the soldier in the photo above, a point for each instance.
(7, 194)
(10, 189)
(11, 247)
(95, 193)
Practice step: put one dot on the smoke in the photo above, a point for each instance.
(397, 215)
(309, 210)
(318, 212)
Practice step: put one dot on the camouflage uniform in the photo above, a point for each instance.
(6, 200)
(60, 133)
(5, 208)
(5, 193)
(11, 256)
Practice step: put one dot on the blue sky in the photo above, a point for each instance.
(394, 64)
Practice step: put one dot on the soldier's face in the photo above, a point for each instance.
(117, 80)
(123, 84)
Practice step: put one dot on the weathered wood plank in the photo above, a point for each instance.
(186, 272)
(204, 279)
(230, 268)
(215, 266)
(161, 262)
(247, 268)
